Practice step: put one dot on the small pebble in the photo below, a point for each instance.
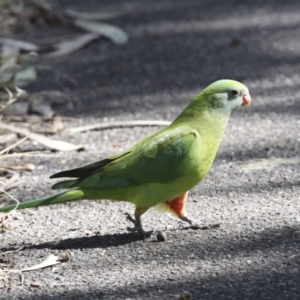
(35, 284)
(161, 236)
(64, 257)
(185, 295)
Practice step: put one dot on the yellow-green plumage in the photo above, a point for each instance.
(163, 165)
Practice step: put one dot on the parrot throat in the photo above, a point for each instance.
(209, 122)
(211, 130)
(214, 128)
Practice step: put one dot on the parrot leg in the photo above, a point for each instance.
(177, 205)
(138, 222)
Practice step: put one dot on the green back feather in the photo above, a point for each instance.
(192, 139)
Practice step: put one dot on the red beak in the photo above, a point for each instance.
(246, 100)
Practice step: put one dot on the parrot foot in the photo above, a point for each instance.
(141, 231)
(191, 224)
(138, 226)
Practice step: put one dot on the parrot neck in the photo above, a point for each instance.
(203, 117)
(210, 123)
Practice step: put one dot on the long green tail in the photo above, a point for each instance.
(47, 200)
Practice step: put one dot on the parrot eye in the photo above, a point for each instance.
(234, 92)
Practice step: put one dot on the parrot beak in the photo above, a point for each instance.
(246, 100)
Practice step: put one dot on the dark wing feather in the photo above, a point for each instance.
(83, 171)
(87, 170)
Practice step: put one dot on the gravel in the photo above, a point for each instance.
(176, 48)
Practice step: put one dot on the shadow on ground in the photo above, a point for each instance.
(175, 50)
(259, 281)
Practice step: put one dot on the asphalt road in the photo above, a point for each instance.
(176, 48)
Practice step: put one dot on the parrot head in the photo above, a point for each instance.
(226, 95)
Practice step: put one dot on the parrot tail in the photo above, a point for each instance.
(72, 195)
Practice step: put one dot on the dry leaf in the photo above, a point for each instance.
(52, 144)
(19, 44)
(114, 33)
(67, 47)
(10, 72)
(116, 124)
(25, 76)
(93, 16)
(50, 261)
(9, 57)
(6, 78)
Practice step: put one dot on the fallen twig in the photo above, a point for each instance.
(116, 124)
(26, 167)
(31, 153)
(52, 144)
(13, 145)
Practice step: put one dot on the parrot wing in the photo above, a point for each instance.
(154, 159)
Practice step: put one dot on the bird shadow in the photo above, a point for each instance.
(95, 241)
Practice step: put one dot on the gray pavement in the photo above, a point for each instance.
(176, 48)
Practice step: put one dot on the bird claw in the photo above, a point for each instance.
(199, 226)
(138, 227)
(130, 218)
(186, 223)
(141, 231)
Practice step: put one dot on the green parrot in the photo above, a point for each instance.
(162, 168)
